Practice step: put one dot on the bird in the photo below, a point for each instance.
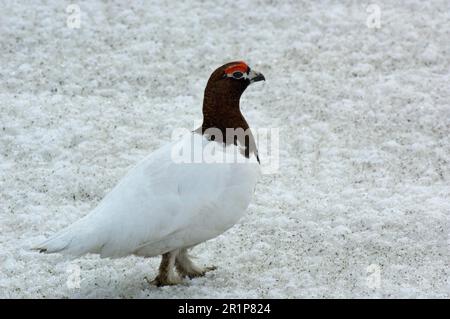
(167, 204)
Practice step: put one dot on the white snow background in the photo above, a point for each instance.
(361, 203)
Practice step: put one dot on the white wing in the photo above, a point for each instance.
(161, 205)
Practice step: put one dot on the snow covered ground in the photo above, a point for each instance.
(360, 206)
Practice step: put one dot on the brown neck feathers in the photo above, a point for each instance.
(221, 111)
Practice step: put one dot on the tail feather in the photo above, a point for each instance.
(76, 240)
(55, 243)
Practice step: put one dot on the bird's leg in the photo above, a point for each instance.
(167, 275)
(186, 267)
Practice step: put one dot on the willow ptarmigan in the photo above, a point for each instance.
(165, 206)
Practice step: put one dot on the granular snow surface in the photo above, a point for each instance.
(360, 205)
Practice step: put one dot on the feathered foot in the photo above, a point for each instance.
(167, 275)
(186, 268)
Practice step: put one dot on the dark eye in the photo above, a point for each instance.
(237, 75)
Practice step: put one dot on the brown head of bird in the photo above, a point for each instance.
(221, 109)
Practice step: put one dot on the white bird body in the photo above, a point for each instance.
(162, 205)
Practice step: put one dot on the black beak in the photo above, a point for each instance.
(255, 76)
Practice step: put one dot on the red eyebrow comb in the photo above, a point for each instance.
(239, 66)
